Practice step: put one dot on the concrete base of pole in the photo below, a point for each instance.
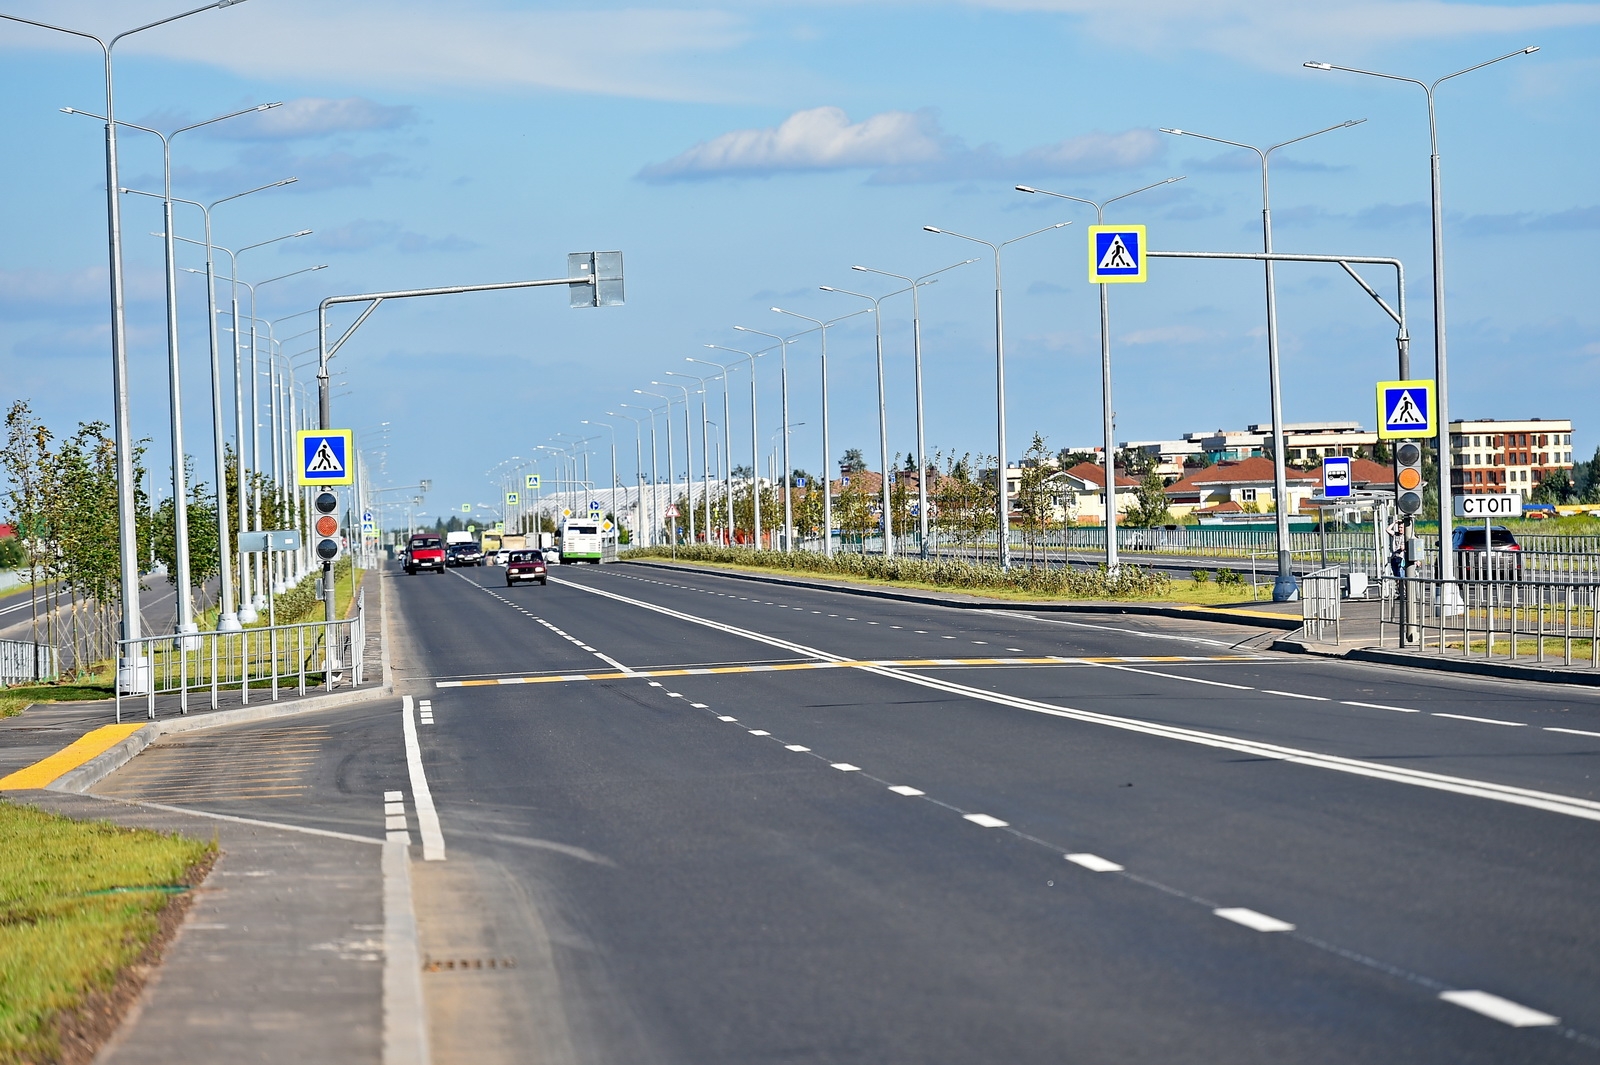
(248, 615)
(1285, 589)
(229, 623)
(189, 637)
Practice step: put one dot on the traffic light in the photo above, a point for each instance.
(1408, 476)
(326, 526)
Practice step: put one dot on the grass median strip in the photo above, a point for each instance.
(80, 904)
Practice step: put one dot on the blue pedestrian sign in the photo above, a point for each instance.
(1406, 409)
(1336, 477)
(326, 456)
(1116, 254)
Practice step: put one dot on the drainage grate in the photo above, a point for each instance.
(445, 965)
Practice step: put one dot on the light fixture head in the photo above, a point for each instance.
(269, 107)
(1026, 188)
(1532, 48)
(827, 288)
(933, 229)
(1318, 66)
(1174, 132)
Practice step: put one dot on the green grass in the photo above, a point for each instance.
(78, 904)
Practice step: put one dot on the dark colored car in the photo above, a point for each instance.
(465, 555)
(526, 565)
(1498, 559)
(425, 552)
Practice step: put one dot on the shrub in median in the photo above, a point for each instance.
(1131, 582)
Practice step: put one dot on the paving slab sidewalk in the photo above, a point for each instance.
(280, 958)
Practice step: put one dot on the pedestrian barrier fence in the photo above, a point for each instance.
(23, 662)
(1319, 602)
(1537, 621)
(265, 661)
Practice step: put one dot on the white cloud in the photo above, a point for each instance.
(418, 44)
(900, 147)
(315, 116)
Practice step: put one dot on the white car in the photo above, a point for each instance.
(501, 556)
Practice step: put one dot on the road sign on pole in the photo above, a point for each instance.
(1495, 506)
(1336, 477)
(326, 456)
(1406, 410)
(511, 499)
(466, 508)
(1117, 254)
(533, 482)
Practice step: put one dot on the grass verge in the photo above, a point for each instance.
(1018, 585)
(80, 904)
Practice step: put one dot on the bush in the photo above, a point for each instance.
(1201, 576)
(1228, 578)
(1131, 582)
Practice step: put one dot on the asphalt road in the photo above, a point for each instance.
(752, 852)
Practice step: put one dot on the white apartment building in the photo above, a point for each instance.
(1495, 457)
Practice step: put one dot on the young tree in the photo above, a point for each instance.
(1034, 494)
(1151, 508)
(854, 460)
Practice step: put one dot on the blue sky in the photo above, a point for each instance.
(742, 154)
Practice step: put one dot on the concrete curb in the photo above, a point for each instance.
(1471, 667)
(1157, 610)
(96, 769)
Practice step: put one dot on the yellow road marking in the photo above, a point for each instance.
(897, 663)
(70, 757)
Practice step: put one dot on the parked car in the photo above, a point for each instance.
(464, 555)
(1495, 557)
(425, 552)
(525, 565)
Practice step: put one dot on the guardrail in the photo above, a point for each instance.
(1538, 621)
(1319, 602)
(23, 661)
(269, 659)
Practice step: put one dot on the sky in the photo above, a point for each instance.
(742, 154)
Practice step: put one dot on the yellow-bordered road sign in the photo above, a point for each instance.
(511, 499)
(1407, 409)
(327, 456)
(533, 482)
(1116, 254)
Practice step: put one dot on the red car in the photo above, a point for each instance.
(525, 566)
(425, 552)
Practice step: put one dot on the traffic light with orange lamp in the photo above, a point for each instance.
(325, 527)
(1408, 476)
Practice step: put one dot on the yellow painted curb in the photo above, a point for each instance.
(70, 757)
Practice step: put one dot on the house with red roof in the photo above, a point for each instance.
(1247, 487)
(1083, 488)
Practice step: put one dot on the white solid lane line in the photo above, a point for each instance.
(1550, 802)
(1172, 676)
(985, 821)
(1380, 706)
(421, 796)
(906, 789)
(1093, 862)
(1501, 1009)
(1571, 731)
(1481, 720)
(1251, 919)
(1296, 695)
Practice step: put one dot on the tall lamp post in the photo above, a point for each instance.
(1284, 587)
(916, 357)
(613, 430)
(688, 454)
(705, 450)
(1447, 562)
(755, 445)
(672, 477)
(883, 412)
(788, 467)
(727, 439)
(180, 489)
(655, 496)
(1112, 565)
(1002, 503)
(132, 675)
(638, 465)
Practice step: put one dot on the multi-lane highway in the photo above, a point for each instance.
(722, 821)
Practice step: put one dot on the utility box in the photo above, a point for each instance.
(1355, 585)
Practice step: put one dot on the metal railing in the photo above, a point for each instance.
(1538, 621)
(23, 662)
(1319, 602)
(266, 661)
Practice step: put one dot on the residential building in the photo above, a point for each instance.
(1247, 486)
(1083, 493)
(1303, 442)
(1497, 456)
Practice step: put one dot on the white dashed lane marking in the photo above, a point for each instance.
(1251, 919)
(1093, 862)
(1501, 1009)
(1481, 720)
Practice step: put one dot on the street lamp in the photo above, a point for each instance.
(705, 450)
(788, 468)
(613, 430)
(916, 355)
(688, 454)
(672, 478)
(1447, 562)
(883, 413)
(827, 468)
(638, 466)
(755, 444)
(1112, 564)
(727, 436)
(1284, 587)
(180, 491)
(137, 678)
(1002, 504)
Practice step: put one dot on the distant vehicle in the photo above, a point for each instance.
(467, 554)
(425, 552)
(501, 556)
(586, 541)
(1499, 559)
(525, 565)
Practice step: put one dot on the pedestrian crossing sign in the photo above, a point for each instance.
(511, 499)
(1406, 409)
(533, 482)
(326, 456)
(1116, 254)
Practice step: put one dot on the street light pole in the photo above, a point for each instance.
(705, 451)
(1284, 587)
(727, 441)
(1447, 562)
(688, 456)
(788, 467)
(1002, 503)
(1110, 496)
(638, 466)
(613, 430)
(132, 675)
(916, 353)
(883, 413)
(672, 477)
(755, 446)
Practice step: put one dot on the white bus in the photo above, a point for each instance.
(587, 541)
